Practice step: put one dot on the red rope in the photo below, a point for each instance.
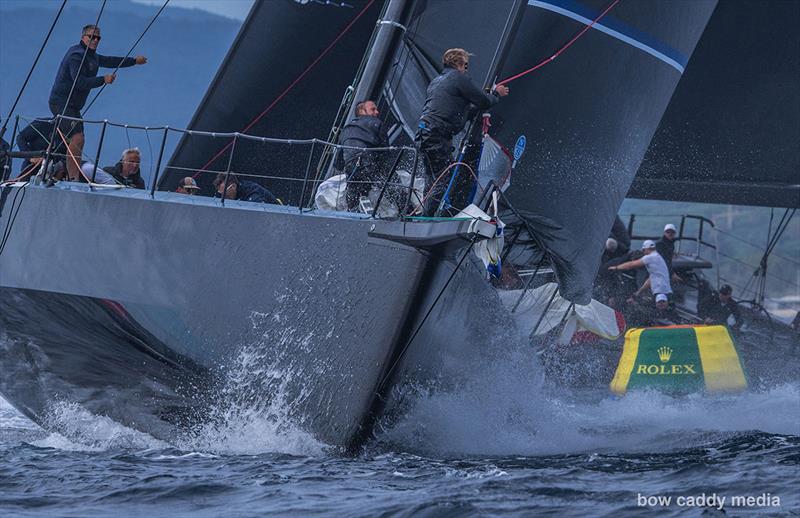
(291, 86)
(562, 49)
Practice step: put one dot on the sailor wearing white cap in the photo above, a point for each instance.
(658, 282)
(666, 245)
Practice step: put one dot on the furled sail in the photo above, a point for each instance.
(731, 132)
(580, 125)
(284, 76)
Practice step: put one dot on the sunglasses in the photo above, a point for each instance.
(93, 37)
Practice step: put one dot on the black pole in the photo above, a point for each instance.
(228, 171)
(305, 178)
(56, 123)
(99, 148)
(154, 181)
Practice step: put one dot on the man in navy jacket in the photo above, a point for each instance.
(79, 68)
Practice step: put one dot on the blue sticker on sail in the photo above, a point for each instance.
(519, 147)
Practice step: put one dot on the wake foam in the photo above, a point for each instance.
(77, 429)
(505, 411)
(255, 411)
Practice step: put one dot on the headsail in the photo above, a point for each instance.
(588, 116)
(284, 76)
(731, 132)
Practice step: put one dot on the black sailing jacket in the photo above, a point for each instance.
(364, 131)
(449, 96)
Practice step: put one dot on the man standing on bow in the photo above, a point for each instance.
(449, 97)
(76, 77)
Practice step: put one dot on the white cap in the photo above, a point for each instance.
(648, 244)
(670, 226)
(611, 244)
(661, 297)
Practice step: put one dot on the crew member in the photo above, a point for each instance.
(126, 171)
(187, 185)
(243, 190)
(69, 101)
(449, 96)
(363, 168)
(34, 137)
(716, 308)
(658, 282)
(665, 246)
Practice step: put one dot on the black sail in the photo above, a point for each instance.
(432, 27)
(588, 116)
(284, 76)
(732, 131)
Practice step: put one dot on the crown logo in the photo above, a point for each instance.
(664, 354)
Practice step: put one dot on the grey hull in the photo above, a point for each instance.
(150, 310)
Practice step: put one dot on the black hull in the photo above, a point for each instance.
(59, 348)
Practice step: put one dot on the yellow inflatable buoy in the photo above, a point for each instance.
(680, 359)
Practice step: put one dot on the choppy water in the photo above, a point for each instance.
(475, 452)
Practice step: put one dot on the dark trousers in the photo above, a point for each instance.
(437, 150)
(363, 173)
(67, 127)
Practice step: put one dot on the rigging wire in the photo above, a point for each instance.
(737, 238)
(563, 48)
(33, 66)
(756, 268)
(291, 86)
(152, 21)
(402, 353)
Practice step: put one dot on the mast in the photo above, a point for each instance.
(372, 65)
(378, 53)
(506, 37)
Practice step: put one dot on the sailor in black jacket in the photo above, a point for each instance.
(126, 171)
(363, 168)
(449, 97)
(79, 67)
(666, 245)
(243, 190)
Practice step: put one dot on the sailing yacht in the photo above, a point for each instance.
(330, 311)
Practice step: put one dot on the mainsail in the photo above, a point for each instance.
(731, 132)
(284, 76)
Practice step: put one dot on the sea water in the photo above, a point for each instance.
(505, 443)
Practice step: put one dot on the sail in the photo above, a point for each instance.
(432, 27)
(581, 124)
(731, 132)
(284, 76)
